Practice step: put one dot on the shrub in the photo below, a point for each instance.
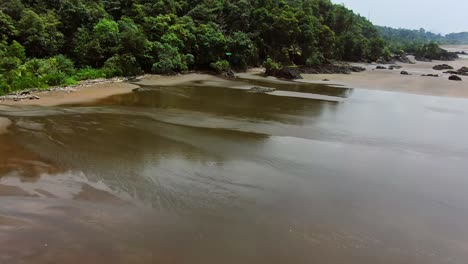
(220, 66)
(270, 64)
(89, 73)
(122, 65)
(170, 59)
(64, 64)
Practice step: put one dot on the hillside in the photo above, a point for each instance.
(56, 42)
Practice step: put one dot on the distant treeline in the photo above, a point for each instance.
(410, 40)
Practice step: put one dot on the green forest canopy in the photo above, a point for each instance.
(52, 42)
(57, 42)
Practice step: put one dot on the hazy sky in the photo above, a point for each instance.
(438, 16)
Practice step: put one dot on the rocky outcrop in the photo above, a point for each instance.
(442, 56)
(332, 69)
(392, 67)
(403, 59)
(454, 78)
(228, 74)
(442, 67)
(381, 67)
(423, 59)
(430, 75)
(285, 73)
(404, 73)
(462, 71)
(382, 60)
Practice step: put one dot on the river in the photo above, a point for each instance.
(204, 173)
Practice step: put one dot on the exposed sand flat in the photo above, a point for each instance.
(81, 95)
(308, 96)
(176, 79)
(392, 80)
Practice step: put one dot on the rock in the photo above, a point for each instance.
(462, 71)
(395, 67)
(357, 69)
(455, 78)
(381, 60)
(257, 89)
(25, 93)
(441, 54)
(423, 59)
(430, 75)
(442, 67)
(404, 73)
(403, 59)
(34, 97)
(381, 67)
(340, 68)
(228, 74)
(325, 80)
(285, 73)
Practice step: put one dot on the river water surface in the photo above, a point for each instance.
(204, 173)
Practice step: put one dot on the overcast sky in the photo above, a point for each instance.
(439, 16)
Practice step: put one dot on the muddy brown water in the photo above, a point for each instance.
(200, 173)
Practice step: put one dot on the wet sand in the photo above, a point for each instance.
(99, 91)
(392, 80)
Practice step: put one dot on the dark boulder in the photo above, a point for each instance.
(430, 75)
(463, 69)
(392, 67)
(381, 60)
(442, 67)
(404, 73)
(381, 67)
(451, 72)
(423, 59)
(357, 69)
(285, 73)
(228, 74)
(403, 59)
(325, 80)
(455, 78)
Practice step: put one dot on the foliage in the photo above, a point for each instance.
(270, 64)
(220, 66)
(103, 38)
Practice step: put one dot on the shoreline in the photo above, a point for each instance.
(371, 79)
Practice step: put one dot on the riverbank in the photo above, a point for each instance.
(98, 89)
(394, 81)
(372, 78)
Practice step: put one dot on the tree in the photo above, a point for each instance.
(39, 33)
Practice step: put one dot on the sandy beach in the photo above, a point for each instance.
(372, 78)
(392, 80)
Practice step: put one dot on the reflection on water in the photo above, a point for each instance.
(199, 173)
